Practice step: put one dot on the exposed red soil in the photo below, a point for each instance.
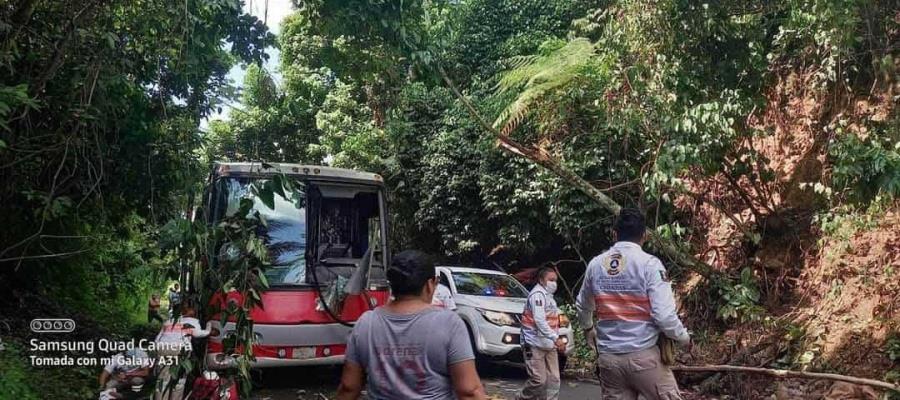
(830, 300)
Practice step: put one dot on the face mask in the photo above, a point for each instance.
(551, 287)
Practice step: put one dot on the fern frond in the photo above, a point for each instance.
(534, 77)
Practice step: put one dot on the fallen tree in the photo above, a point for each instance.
(541, 157)
(783, 373)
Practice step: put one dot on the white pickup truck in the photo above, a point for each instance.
(491, 304)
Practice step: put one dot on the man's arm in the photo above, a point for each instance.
(662, 303)
(104, 377)
(538, 301)
(584, 304)
(466, 383)
(461, 361)
(351, 381)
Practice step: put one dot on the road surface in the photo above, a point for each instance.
(318, 383)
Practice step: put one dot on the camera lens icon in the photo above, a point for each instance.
(52, 325)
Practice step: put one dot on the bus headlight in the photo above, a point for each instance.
(498, 318)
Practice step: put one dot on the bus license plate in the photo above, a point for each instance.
(302, 353)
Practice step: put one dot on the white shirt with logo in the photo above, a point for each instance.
(629, 295)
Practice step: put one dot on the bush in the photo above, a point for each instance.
(741, 299)
(865, 168)
(14, 379)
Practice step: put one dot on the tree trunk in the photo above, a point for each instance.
(540, 156)
(783, 373)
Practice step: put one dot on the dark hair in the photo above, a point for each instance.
(542, 272)
(630, 225)
(409, 272)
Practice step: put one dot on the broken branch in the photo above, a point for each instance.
(783, 373)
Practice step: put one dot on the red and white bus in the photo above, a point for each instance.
(330, 243)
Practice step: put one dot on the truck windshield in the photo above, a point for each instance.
(285, 236)
(495, 285)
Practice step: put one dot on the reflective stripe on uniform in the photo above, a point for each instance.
(528, 319)
(531, 332)
(622, 307)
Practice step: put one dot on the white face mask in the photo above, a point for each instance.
(551, 287)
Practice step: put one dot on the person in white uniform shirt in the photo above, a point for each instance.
(629, 295)
(443, 298)
(540, 339)
(126, 369)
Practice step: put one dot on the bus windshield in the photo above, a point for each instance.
(285, 236)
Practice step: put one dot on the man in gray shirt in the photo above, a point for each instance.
(408, 348)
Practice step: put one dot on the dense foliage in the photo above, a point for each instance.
(632, 96)
(100, 105)
(669, 106)
(646, 102)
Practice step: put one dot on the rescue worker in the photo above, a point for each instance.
(443, 298)
(408, 349)
(125, 370)
(629, 293)
(540, 339)
(174, 340)
(181, 331)
(174, 299)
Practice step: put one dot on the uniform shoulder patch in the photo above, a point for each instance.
(539, 302)
(663, 275)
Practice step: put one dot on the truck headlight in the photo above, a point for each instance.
(498, 318)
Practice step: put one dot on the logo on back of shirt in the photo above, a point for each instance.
(614, 264)
(400, 365)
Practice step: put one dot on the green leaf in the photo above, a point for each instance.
(255, 295)
(278, 183)
(244, 209)
(262, 279)
(262, 219)
(267, 196)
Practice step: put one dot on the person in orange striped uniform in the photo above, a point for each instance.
(628, 292)
(540, 339)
